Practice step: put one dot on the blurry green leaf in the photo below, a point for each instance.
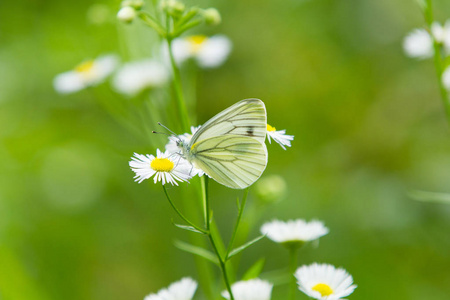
(425, 196)
(188, 228)
(206, 254)
(254, 270)
(246, 245)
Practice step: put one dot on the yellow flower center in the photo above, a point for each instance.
(85, 67)
(323, 289)
(270, 128)
(196, 42)
(162, 165)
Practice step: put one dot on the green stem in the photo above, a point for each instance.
(152, 22)
(438, 62)
(292, 267)
(180, 214)
(241, 210)
(181, 103)
(222, 261)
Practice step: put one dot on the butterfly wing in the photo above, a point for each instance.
(245, 118)
(235, 161)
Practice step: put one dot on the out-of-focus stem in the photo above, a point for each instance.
(292, 267)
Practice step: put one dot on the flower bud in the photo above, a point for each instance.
(136, 4)
(126, 14)
(173, 7)
(271, 188)
(212, 16)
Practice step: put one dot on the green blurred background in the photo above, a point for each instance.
(368, 126)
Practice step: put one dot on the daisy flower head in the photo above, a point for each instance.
(324, 282)
(88, 73)
(254, 289)
(164, 167)
(208, 52)
(183, 289)
(279, 136)
(294, 233)
(134, 77)
(418, 44)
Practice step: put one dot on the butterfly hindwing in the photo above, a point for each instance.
(233, 160)
(245, 118)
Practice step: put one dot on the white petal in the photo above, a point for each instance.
(214, 51)
(68, 82)
(418, 44)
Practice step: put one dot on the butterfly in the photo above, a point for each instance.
(230, 146)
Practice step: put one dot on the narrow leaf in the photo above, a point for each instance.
(206, 254)
(254, 270)
(246, 245)
(188, 228)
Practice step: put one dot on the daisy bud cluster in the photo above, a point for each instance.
(173, 7)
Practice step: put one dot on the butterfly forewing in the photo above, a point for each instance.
(235, 161)
(245, 118)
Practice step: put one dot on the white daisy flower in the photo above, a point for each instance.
(294, 232)
(164, 167)
(180, 290)
(323, 281)
(88, 73)
(133, 77)
(279, 136)
(254, 289)
(209, 52)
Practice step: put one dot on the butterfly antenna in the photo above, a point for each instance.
(165, 133)
(165, 127)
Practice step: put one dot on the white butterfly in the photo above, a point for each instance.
(230, 146)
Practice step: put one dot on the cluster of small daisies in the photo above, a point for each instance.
(133, 77)
(420, 44)
(170, 167)
(318, 281)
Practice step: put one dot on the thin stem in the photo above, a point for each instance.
(180, 214)
(241, 210)
(292, 267)
(438, 62)
(181, 103)
(222, 261)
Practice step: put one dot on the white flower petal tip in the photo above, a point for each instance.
(88, 73)
(254, 289)
(183, 289)
(134, 77)
(324, 282)
(208, 52)
(446, 78)
(280, 136)
(164, 167)
(294, 232)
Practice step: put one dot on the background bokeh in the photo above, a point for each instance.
(368, 123)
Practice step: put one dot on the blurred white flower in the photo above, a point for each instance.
(418, 44)
(294, 231)
(446, 78)
(163, 167)
(324, 282)
(279, 136)
(133, 77)
(88, 73)
(180, 290)
(209, 52)
(254, 289)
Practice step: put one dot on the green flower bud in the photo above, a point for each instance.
(173, 7)
(126, 14)
(136, 4)
(212, 16)
(271, 188)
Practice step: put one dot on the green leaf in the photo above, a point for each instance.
(425, 196)
(206, 254)
(246, 245)
(188, 228)
(254, 270)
